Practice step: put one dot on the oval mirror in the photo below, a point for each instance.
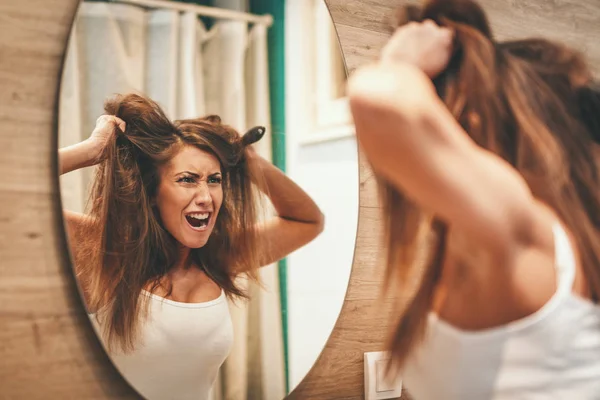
(209, 180)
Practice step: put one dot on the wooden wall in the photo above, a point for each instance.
(47, 347)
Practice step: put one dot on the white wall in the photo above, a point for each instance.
(328, 170)
(318, 273)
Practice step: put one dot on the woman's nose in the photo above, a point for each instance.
(203, 194)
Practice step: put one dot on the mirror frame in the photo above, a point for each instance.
(49, 348)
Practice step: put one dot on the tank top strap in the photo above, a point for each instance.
(564, 260)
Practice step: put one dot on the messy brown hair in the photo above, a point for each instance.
(129, 247)
(532, 103)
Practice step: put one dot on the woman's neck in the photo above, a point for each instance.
(183, 262)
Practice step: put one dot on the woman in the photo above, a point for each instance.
(485, 156)
(173, 224)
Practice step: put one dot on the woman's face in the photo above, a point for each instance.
(190, 195)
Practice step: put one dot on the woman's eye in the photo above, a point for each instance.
(214, 179)
(186, 179)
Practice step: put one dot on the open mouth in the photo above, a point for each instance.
(198, 221)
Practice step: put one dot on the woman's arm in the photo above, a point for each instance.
(413, 141)
(81, 155)
(71, 158)
(298, 219)
(86, 153)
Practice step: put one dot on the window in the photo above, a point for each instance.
(316, 107)
(330, 103)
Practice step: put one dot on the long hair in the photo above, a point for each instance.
(526, 101)
(129, 247)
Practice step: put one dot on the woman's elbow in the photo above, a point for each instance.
(401, 89)
(316, 226)
(379, 110)
(368, 94)
(319, 224)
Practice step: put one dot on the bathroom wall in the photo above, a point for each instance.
(322, 159)
(318, 273)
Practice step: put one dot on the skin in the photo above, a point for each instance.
(298, 219)
(412, 139)
(190, 182)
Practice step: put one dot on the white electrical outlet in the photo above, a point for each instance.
(377, 385)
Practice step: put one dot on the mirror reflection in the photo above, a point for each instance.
(202, 146)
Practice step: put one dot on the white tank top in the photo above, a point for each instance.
(182, 347)
(552, 354)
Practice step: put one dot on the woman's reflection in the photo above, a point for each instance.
(173, 222)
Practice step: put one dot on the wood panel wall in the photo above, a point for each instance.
(47, 346)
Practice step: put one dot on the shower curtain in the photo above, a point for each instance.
(190, 71)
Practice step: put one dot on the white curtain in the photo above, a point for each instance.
(190, 71)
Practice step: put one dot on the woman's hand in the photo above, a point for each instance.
(422, 44)
(89, 152)
(106, 126)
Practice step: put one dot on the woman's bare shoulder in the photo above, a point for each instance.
(481, 292)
